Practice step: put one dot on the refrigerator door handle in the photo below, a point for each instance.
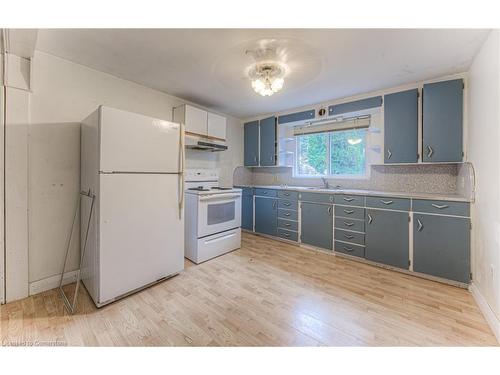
(181, 169)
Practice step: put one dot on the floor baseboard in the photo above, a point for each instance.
(485, 308)
(51, 282)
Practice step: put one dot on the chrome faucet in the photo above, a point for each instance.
(326, 184)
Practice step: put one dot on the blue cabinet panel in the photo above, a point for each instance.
(354, 106)
(288, 214)
(350, 224)
(350, 200)
(251, 144)
(317, 225)
(247, 212)
(442, 121)
(266, 215)
(288, 194)
(316, 197)
(441, 246)
(401, 204)
(268, 141)
(288, 224)
(441, 207)
(350, 249)
(265, 192)
(299, 116)
(387, 237)
(401, 127)
(288, 235)
(350, 212)
(287, 204)
(352, 237)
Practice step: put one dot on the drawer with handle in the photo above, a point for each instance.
(442, 207)
(350, 200)
(288, 235)
(288, 224)
(265, 192)
(288, 194)
(349, 224)
(347, 248)
(350, 212)
(353, 237)
(401, 204)
(288, 214)
(316, 197)
(287, 204)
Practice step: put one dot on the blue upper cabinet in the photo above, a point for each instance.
(251, 144)
(401, 127)
(442, 121)
(298, 116)
(357, 105)
(268, 142)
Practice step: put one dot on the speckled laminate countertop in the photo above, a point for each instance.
(440, 197)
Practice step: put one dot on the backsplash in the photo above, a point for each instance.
(423, 178)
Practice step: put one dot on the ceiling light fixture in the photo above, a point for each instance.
(267, 77)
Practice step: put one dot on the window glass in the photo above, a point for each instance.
(312, 155)
(347, 152)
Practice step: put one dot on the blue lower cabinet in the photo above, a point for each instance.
(287, 234)
(266, 215)
(441, 246)
(247, 212)
(288, 224)
(387, 237)
(317, 225)
(350, 249)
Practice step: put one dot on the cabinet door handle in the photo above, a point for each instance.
(370, 219)
(348, 248)
(274, 204)
(287, 224)
(287, 213)
(286, 194)
(386, 202)
(420, 225)
(264, 192)
(440, 206)
(255, 159)
(430, 151)
(348, 236)
(348, 224)
(331, 198)
(349, 211)
(348, 199)
(287, 234)
(286, 204)
(330, 211)
(389, 153)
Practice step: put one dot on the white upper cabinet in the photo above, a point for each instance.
(200, 122)
(195, 120)
(216, 126)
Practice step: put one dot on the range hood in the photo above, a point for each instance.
(204, 144)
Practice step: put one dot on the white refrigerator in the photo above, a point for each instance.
(133, 165)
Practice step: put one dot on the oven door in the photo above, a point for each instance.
(218, 213)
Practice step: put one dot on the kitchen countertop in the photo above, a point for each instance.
(441, 197)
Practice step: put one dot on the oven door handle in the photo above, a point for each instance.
(216, 197)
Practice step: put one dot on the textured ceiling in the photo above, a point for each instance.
(208, 66)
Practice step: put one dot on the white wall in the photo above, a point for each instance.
(63, 93)
(484, 153)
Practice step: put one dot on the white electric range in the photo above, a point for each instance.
(212, 216)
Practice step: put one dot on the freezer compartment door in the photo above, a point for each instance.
(141, 235)
(130, 142)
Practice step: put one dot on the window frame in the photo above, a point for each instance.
(364, 176)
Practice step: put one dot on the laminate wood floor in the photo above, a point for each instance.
(267, 293)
